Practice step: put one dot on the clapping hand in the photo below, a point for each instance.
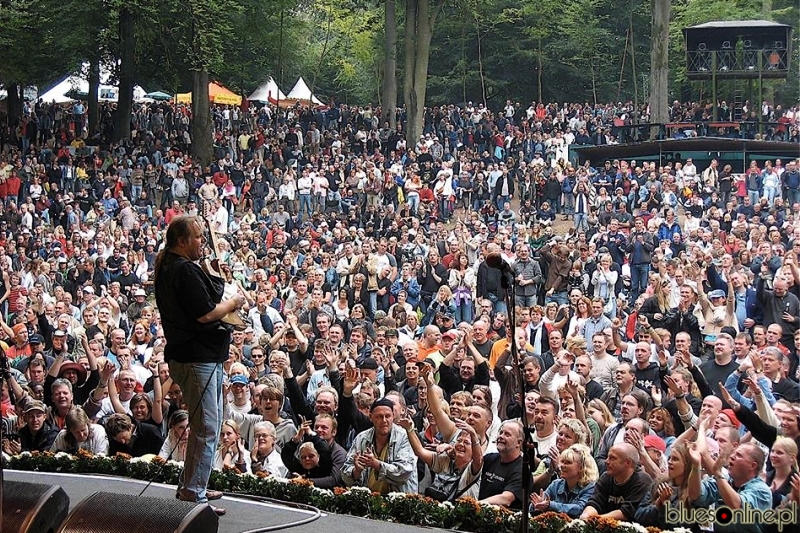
(695, 455)
(303, 430)
(368, 459)
(555, 459)
(655, 393)
(539, 501)
(673, 386)
(795, 494)
(663, 494)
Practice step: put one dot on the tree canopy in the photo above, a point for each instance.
(481, 50)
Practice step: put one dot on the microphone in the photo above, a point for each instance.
(495, 260)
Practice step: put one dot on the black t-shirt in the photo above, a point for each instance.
(786, 389)
(185, 293)
(499, 477)
(297, 359)
(609, 495)
(716, 374)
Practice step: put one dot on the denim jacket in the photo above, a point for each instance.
(399, 469)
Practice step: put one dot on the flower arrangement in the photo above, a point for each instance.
(465, 514)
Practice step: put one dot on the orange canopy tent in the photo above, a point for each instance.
(216, 94)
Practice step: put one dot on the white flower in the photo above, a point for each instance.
(575, 525)
(62, 455)
(360, 489)
(637, 527)
(394, 495)
(446, 505)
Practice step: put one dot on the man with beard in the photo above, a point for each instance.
(501, 481)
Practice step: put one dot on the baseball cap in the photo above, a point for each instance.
(716, 293)
(140, 292)
(368, 364)
(59, 333)
(238, 379)
(36, 339)
(451, 333)
(654, 441)
(35, 405)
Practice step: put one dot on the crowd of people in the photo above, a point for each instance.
(657, 331)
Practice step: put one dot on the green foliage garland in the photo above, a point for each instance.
(466, 514)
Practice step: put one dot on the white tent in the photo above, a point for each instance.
(79, 84)
(268, 92)
(301, 92)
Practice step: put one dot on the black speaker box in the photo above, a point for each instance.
(33, 507)
(108, 512)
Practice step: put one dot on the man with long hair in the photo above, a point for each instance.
(190, 300)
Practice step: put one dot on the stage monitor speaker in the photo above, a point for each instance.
(108, 512)
(33, 507)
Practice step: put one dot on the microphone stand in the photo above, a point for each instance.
(507, 283)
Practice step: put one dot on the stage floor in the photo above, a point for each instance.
(243, 515)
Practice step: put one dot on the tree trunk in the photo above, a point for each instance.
(408, 66)
(14, 104)
(659, 64)
(202, 149)
(93, 107)
(480, 61)
(633, 66)
(389, 90)
(423, 20)
(127, 68)
(539, 71)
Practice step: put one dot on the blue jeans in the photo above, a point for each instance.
(569, 204)
(201, 384)
(581, 221)
(498, 303)
(502, 200)
(754, 196)
(413, 202)
(464, 312)
(558, 297)
(792, 196)
(305, 205)
(639, 275)
(525, 301)
(136, 192)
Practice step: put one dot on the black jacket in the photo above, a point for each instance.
(41, 441)
(146, 439)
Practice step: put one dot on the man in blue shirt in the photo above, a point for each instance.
(740, 489)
